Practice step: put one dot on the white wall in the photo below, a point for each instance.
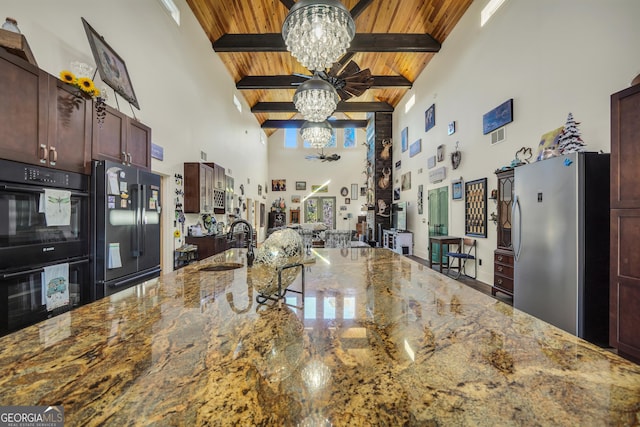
(184, 91)
(291, 164)
(551, 56)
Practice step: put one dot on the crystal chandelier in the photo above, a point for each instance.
(317, 134)
(316, 99)
(318, 32)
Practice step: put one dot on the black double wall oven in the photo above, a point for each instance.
(44, 230)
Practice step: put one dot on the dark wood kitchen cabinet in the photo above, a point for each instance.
(121, 139)
(43, 121)
(503, 255)
(624, 283)
(198, 188)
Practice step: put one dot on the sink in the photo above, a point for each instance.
(222, 266)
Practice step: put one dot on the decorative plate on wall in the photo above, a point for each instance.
(344, 191)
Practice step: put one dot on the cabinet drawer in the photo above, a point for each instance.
(502, 258)
(503, 283)
(504, 270)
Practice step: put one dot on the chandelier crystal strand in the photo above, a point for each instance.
(318, 32)
(316, 99)
(317, 134)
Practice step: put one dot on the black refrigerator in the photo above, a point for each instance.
(126, 227)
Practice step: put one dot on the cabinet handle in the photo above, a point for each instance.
(43, 153)
(499, 257)
(124, 158)
(53, 156)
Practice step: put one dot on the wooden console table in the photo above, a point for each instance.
(440, 241)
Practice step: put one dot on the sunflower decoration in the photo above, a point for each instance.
(87, 86)
(67, 77)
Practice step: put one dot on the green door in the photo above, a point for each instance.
(438, 200)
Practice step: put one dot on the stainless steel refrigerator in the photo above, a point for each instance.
(561, 243)
(126, 227)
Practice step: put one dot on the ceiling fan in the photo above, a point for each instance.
(325, 158)
(348, 80)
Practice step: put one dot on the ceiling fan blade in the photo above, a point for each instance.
(306, 76)
(343, 94)
(339, 64)
(350, 69)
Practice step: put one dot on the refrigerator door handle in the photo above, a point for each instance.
(518, 246)
(136, 212)
(143, 220)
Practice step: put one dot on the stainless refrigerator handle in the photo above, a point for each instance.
(136, 212)
(143, 223)
(516, 203)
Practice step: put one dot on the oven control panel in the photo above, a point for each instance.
(46, 176)
(22, 173)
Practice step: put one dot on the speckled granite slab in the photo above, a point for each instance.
(381, 340)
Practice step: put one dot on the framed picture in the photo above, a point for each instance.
(259, 190)
(278, 185)
(319, 188)
(456, 189)
(347, 201)
(295, 198)
(406, 181)
(452, 128)
(301, 185)
(398, 164)
(396, 193)
(112, 68)
(354, 191)
(548, 140)
(498, 117)
(404, 137)
(440, 152)
(415, 148)
(363, 191)
(430, 117)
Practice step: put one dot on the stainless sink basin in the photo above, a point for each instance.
(222, 266)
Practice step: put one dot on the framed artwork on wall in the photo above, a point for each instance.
(498, 117)
(456, 189)
(278, 185)
(415, 148)
(405, 139)
(301, 185)
(111, 67)
(430, 117)
(475, 211)
(354, 191)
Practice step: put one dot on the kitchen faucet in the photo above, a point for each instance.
(250, 255)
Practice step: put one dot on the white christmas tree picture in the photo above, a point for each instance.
(570, 141)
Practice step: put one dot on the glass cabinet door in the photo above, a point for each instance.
(505, 203)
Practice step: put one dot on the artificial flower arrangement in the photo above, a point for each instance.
(279, 204)
(88, 87)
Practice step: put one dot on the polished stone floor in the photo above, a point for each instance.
(381, 340)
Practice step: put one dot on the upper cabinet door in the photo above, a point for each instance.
(139, 144)
(625, 150)
(23, 110)
(121, 139)
(69, 134)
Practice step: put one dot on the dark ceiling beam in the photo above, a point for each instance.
(287, 3)
(291, 82)
(343, 107)
(355, 12)
(296, 124)
(359, 8)
(368, 42)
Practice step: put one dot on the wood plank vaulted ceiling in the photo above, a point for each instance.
(395, 40)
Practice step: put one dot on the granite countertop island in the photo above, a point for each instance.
(381, 340)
